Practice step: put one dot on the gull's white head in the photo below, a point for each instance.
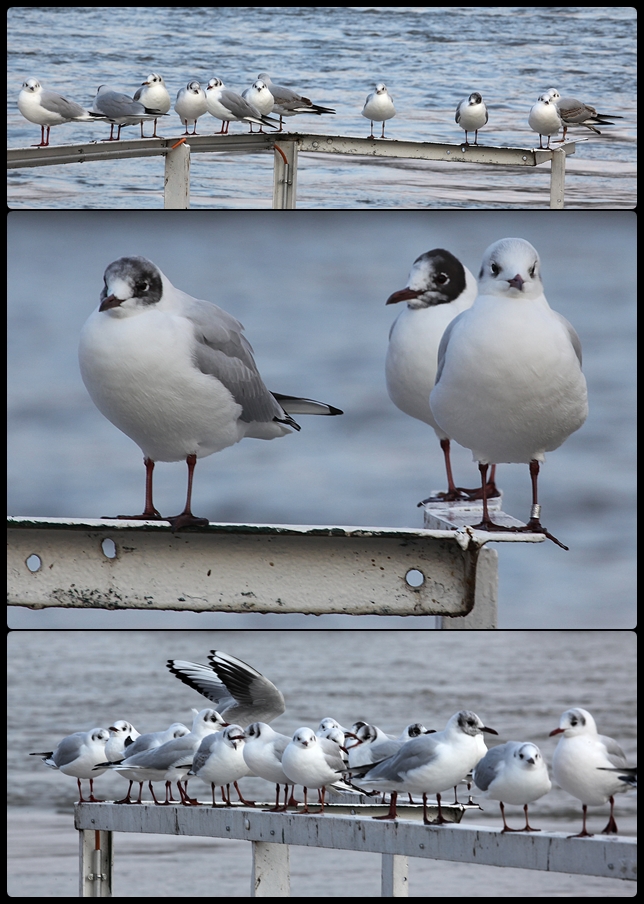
(305, 737)
(467, 722)
(131, 285)
(234, 736)
(511, 268)
(32, 85)
(575, 722)
(154, 79)
(528, 756)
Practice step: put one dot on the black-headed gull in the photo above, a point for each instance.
(430, 764)
(177, 375)
(514, 773)
(47, 108)
(260, 97)
(240, 693)
(121, 110)
(228, 106)
(509, 384)
(288, 102)
(263, 752)
(588, 765)
(438, 289)
(78, 754)
(153, 93)
(122, 736)
(575, 112)
(544, 118)
(472, 115)
(312, 762)
(144, 742)
(219, 760)
(190, 105)
(379, 107)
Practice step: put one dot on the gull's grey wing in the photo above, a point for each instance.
(111, 103)
(413, 754)
(615, 753)
(238, 105)
(202, 679)
(296, 405)
(222, 350)
(55, 103)
(68, 750)
(487, 769)
(257, 698)
(442, 348)
(204, 751)
(332, 755)
(574, 339)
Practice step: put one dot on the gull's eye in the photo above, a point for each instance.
(142, 287)
(442, 278)
(495, 269)
(532, 270)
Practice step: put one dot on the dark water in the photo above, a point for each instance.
(430, 58)
(518, 682)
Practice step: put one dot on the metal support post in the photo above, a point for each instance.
(395, 876)
(96, 864)
(285, 175)
(557, 177)
(271, 877)
(177, 178)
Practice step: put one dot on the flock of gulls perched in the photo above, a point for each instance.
(236, 740)
(498, 372)
(151, 101)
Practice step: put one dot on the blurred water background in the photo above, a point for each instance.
(310, 288)
(519, 683)
(429, 57)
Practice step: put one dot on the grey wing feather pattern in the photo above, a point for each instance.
(486, 770)
(574, 338)
(443, 345)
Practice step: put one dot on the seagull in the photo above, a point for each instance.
(513, 772)
(576, 112)
(77, 755)
(544, 118)
(220, 761)
(438, 289)
(144, 742)
(431, 763)
(177, 375)
(379, 107)
(312, 762)
(230, 107)
(288, 102)
(240, 693)
(509, 384)
(260, 97)
(46, 109)
(373, 744)
(190, 105)
(121, 110)
(122, 736)
(172, 761)
(153, 93)
(263, 755)
(471, 115)
(590, 766)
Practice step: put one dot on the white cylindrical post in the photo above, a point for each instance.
(395, 876)
(176, 194)
(285, 175)
(557, 177)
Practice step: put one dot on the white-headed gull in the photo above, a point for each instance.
(78, 754)
(143, 742)
(430, 764)
(288, 102)
(514, 773)
(122, 736)
(575, 112)
(47, 108)
(121, 110)
(263, 755)
(230, 107)
(588, 765)
(509, 384)
(439, 288)
(240, 693)
(544, 118)
(312, 762)
(171, 761)
(177, 375)
(260, 97)
(379, 107)
(153, 93)
(190, 105)
(472, 115)
(219, 760)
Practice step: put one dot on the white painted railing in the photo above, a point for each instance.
(112, 564)
(286, 147)
(271, 834)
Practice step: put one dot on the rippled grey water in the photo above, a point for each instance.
(518, 682)
(430, 58)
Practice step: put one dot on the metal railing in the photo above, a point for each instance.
(271, 834)
(286, 148)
